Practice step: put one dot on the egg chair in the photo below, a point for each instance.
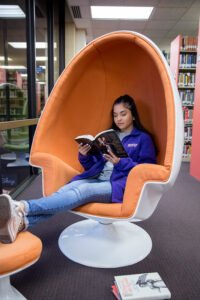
(115, 64)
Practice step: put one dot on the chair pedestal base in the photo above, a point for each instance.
(114, 245)
(7, 291)
(20, 160)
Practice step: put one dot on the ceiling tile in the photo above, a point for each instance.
(175, 3)
(98, 32)
(196, 3)
(176, 31)
(110, 24)
(105, 2)
(167, 13)
(186, 25)
(155, 33)
(132, 25)
(172, 34)
(139, 2)
(162, 25)
(152, 38)
(192, 13)
(85, 11)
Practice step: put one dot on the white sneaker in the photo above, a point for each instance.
(11, 219)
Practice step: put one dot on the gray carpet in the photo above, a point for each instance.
(175, 232)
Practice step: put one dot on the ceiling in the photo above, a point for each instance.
(168, 19)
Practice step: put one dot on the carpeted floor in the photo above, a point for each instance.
(175, 232)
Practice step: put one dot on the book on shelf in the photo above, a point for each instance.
(188, 60)
(187, 97)
(189, 43)
(103, 142)
(187, 113)
(146, 286)
(186, 79)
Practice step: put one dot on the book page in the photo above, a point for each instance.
(109, 140)
(103, 132)
(85, 136)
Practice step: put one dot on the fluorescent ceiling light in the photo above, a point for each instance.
(44, 58)
(13, 67)
(11, 11)
(121, 12)
(41, 58)
(42, 82)
(18, 45)
(2, 58)
(24, 75)
(22, 45)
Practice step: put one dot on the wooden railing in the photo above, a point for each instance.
(18, 123)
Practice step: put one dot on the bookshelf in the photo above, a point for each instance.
(10, 93)
(12, 97)
(195, 157)
(13, 106)
(183, 60)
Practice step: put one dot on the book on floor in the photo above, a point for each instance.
(115, 292)
(146, 286)
(103, 141)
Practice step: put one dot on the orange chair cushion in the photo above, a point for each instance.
(19, 254)
(137, 177)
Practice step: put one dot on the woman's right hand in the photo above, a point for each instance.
(83, 149)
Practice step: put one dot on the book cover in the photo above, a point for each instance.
(103, 141)
(147, 286)
(115, 292)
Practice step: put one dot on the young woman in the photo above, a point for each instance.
(103, 180)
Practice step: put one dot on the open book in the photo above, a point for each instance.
(103, 141)
(140, 287)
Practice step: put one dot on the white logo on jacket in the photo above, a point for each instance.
(132, 145)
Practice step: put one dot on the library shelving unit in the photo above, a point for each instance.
(13, 106)
(195, 157)
(183, 58)
(13, 96)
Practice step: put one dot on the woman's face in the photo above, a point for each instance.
(123, 118)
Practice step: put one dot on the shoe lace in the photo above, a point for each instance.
(20, 224)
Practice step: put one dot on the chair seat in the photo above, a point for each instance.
(24, 251)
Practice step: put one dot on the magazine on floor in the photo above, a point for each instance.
(146, 286)
(103, 141)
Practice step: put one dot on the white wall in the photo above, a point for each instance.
(75, 40)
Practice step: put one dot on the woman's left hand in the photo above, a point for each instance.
(111, 157)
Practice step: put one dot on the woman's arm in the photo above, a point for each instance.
(146, 154)
(87, 160)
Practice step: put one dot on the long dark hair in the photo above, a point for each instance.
(130, 104)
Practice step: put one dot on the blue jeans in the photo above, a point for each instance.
(69, 196)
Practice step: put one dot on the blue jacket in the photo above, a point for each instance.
(140, 149)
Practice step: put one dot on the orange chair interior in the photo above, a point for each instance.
(81, 102)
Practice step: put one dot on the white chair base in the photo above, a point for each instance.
(7, 291)
(114, 245)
